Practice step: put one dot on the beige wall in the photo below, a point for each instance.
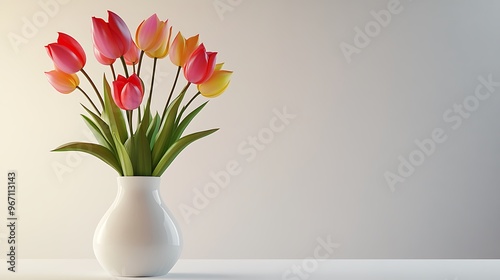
(357, 103)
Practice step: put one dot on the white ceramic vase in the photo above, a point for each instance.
(137, 237)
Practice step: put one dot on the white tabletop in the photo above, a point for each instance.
(271, 269)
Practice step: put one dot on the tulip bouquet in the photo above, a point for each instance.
(131, 139)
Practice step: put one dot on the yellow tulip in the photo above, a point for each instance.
(217, 83)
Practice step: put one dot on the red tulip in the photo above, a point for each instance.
(67, 54)
(200, 65)
(112, 39)
(102, 59)
(63, 82)
(128, 92)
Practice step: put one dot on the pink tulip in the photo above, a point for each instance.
(128, 93)
(200, 65)
(102, 59)
(153, 36)
(63, 82)
(132, 55)
(181, 49)
(67, 54)
(112, 39)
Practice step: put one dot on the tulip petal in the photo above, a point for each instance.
(102, 59)
(177, 49)
(217, 84)
(63, 82)
(103, 38)
(64, 59)
(147, 33)
(131, 96)
(120, 28)
(75, 47)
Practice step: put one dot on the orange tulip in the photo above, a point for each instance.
(181, 49)
(217, 83)
(63, 82)
(153, 37)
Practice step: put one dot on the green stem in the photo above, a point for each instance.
(171, 92)
(129, 117)
(185, 107)
(140, 63)
(124, 65)
(152, 82)
(139, 114)
(91, 102)
(93, 86)
(113, 71)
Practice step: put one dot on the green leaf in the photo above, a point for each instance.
(96, 150)
(113, 114)
(176, 148)
(103, 127)
(138, 149)
(123, 157)
(153, 129)
(96, 132)
(185, 122)
(162, 142)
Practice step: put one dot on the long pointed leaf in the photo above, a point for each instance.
(161, 144)
(138, 149)
(185, 122)
(113, 114)
(123, 157)
(96, 132)
(96, 150)
(176, 148)
(153, 129)
(103, 127)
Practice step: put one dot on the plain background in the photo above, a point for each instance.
(321, 174)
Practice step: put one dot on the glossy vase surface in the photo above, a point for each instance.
(137, 236)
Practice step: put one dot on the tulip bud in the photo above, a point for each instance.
(67, 54)
(112, 39)
(153, 36)
(217, 83)
(200, 65)
(128, 92)
(181, 49)
(63, 82)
